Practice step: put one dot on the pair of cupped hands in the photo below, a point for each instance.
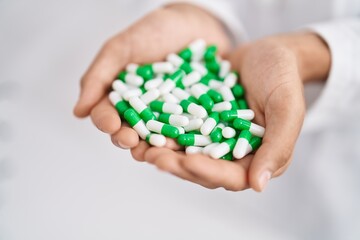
(273, 71)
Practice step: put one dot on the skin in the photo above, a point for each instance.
(273, 71)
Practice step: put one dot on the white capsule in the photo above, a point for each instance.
(120, 87)
(246, 114)
(197, 110)
(191, 78)
(175, 59)
(153, 83)
(132, 67)
(141, 129)
(207, 149)
(228, 132)
(170, 98)
(197, 48)
(198, 67)
(220, 150)
(167, 86)
(172, 108)
(221, 106)
(163, 67)
(114, 97)
(180, 94)
(137, 104)
(215, 84)
(157, 140)
(131, 93)
(194, 124)
(230, 79)
(208, 126)
(133, 79)
(200, 140)
(242, 148)
(224, 68)
(154, 126)
(178, 120)
(150, 96)
(196, 90)
(226, 93)
(257, 130)
(193, 150)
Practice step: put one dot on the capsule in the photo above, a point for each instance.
(228, 96)
(194, 51)
(120, 87)
(207, 149)
(156, 140)
(243, 124)
(198, 67)
(131, 79)
(120, 105)
(193, 140)
(194, 124)
(175, 120)
(140, 107)
(134, 120)
(213, 66)
(193, 108)
(238, 91)
(228, 132)
(181, 95)
(171, 82)
(216, 134)
(179, 63)
(135, 92)
(170, 98)
(193, 150)
(231, 115)
(191, 78)
(153, 83)
(163, 107)
(210, 53)
(223, 148)
(231, 79)
(150, 96)
(222, 106)
(228, 156)
(242, 144)
(243, 104)
(209, 124)
(224, 70)
(215, 95)
(162, 128)
(200, 94)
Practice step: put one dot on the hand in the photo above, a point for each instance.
(272, 71)
(163, 31)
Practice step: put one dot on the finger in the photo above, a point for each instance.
(138, 152)
(96, 81)
(125, 138)
(170, 161)
(227, 174)
(284, 116)
(105, 117)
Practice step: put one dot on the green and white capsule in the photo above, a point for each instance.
(242, 144)
(120, 87)
(228, 96)
(120, 105)
(153, 83)
(200, 94)
(181, 95)
(228, 157)
(156, 140)
(193, 150)
(170, 98)
(215, 95)
(224, 69)
(131, 79)
(193, 140)
(223, 148)
(228, 132)
(171, 82)
(150, 96)
(193, 108)
(207, 149)
(134, 92)
(163, 107)
(198, 67)
(162, 128)
(231, 79)
(222, 106)
(243, 124)
(209, 124)
(191, 78)
(231, 115)
(194, 52)
(194, 124)
(134, 120)
(140, 107)
(216, 134)
(179, 63)
(175, 120)
(147, 71)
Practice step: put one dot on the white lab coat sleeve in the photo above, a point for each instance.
(339, 100)
(225, 11)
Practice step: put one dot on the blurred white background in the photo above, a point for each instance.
(60, 178)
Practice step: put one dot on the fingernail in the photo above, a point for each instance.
(264, 179)
(123, 146)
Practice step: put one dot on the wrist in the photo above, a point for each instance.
(312, 54)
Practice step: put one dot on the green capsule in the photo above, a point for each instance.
(216, 134)
(243, 104)
(145, 71)
(193, 100)
(210, 53)
(186, 54)
(228, 115)
(132, 117)
(186, 67)
(177, 76)
(242, 124)
(193, 140)
(206, 101)
(234, 105)
(245, 134)
(238, 91)
(255, 143)
(121, 107)
(157, 106)
(213, 66)
(206, 79)
(228, 156)
(147, 115)
(170, 131)
(215, 95)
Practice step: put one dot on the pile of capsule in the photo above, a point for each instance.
(192, 97)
